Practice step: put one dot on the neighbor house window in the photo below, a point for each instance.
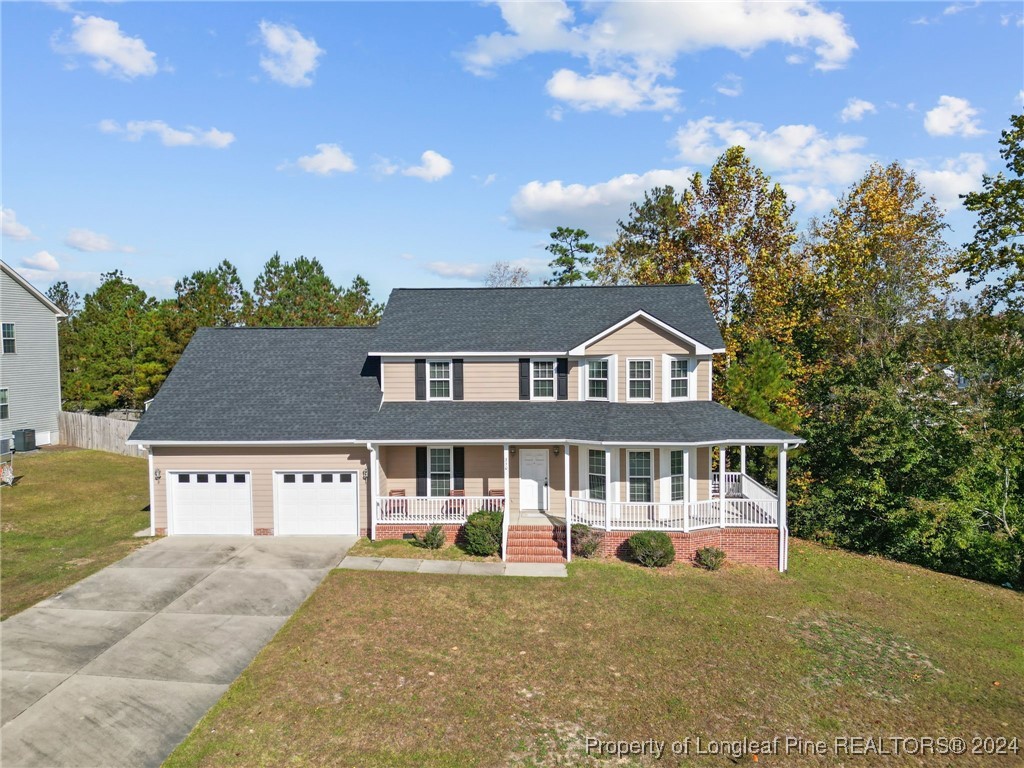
(640, 476)
(543, 379)
(8, 334)
(678, 471)
(440, 380)
(597, 379)
(440, 471)
(679, 379)
(596, 470)
(641, 378)
(5, 408)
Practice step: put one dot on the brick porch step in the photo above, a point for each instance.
(535, 558)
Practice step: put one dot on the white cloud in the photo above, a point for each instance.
(93, 242)
(12, 228)
(329, 159)
(730, 85)
(289, 57)
(952, 177)
(455, 269)
(433, 166)
(616, 92)
(855, 110)
(953, 117)
(1020, 97)
(42, 260)
(544, 205)
(112, 52)
(493, 177)
(384, 166)
(628, 46)
(949, 10)
(189, 136)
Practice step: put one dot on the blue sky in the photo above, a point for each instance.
(416, 144)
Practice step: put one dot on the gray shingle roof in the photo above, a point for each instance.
(302, 384)
(425, 320)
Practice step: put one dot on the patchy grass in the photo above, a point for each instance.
(70, 513)
(383, 669)
(408, 548)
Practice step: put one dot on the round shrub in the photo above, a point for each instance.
(711, 558)
(652, 549)
(483, 533)
(586, 541)
(433, 538)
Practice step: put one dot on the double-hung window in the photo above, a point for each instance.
(597, 379)
(440, 471)
(641, 379)
(640, 480)
(543, 376)
(5, 408)
(439, 380)
(679, 379)
(8, 338)
(677, 462)
(596, 475)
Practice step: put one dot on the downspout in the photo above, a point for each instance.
(152, 493)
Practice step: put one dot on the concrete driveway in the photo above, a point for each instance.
(117, 669)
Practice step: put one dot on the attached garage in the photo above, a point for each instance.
(210, 503)
(316, 503)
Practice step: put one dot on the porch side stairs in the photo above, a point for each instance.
(536, 544)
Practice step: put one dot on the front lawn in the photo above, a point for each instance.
(388, 669)
(70, 513)
(408, 548)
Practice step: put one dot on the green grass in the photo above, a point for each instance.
(70, 513)
(385, 669)
(405, 548)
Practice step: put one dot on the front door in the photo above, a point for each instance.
(533, 479)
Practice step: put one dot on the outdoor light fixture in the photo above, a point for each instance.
(366, 473)
(512, 450)
(156, 475)
(556, 450)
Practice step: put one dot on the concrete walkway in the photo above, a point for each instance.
(454, 567)
(117, 669)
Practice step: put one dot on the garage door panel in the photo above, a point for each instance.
(211, 503)
(316, 503)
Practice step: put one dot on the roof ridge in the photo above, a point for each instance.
(543, 287)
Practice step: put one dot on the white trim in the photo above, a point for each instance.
(629, 476)
(506, 512)
(583, 471)
(664, 480)
(273, 483)
(609, 374)
(252, 509)
(7, 402)
(152, 496)
(586, 473)
(613, 462)
(666, 378)
(478, 353)
(31, 289)
(630, 398)
(14, 337)
(698, 347)
(374, 469)
(554, 378)
(543, 502)
(451, 379)
(790, 443)
(451, 469)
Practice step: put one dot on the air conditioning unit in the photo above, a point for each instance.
(24, 440)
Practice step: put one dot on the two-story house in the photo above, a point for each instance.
(29, 359)
(554, 405)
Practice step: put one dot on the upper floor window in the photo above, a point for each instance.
(596, 475)
(5, 408)
(641, 380)
(679, 379)
(640, 476)
(8, 338)
(543, 378)
(677, 462)
(439, 380)
(440, 471)
(597, 379)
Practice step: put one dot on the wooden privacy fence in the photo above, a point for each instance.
(83, 430)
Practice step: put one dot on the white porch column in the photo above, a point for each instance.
(783, 526)
(507, 511)
(568, 516)
(374, 488)
(721, 486)
(152, 493)
(608, 490)
(743, 459)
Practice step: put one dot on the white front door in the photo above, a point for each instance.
(533, 479)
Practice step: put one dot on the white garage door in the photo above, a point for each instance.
(210, 502)
(316, 503)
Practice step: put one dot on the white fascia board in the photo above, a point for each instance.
(698, 347)
(494, 441)
(283, 443)
(477, 353)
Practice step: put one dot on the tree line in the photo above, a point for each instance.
(119, 344)
(848, 334)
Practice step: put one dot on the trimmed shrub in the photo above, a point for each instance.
(652, 549)
(711, 558)
(586, 541)
(483, 533)
(432, 539)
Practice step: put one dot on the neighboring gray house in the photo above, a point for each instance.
(29, 360)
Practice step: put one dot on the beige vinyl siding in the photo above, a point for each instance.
(639, 339)
(398, 380)
(262, 463)
(484, 471)
(703, 473)
(490, 380)
(703, 375)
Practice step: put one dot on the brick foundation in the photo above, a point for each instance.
(161, 531)
(749, 546)
(452, 533)
(263, 532)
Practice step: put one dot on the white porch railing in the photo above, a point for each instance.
(444, 510)
(675, 516)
